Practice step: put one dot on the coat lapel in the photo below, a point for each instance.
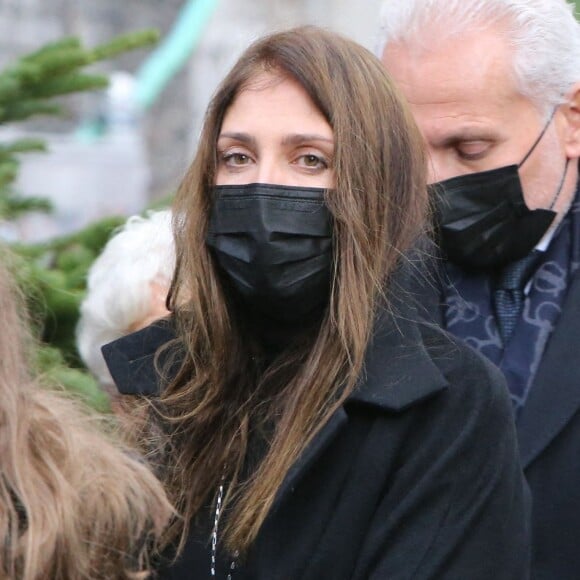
(555, 394)
(398, 373)
(317, 446)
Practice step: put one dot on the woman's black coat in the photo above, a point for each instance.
(417, 476)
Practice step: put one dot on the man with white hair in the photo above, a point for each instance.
(494, 86)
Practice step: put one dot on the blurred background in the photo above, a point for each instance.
(95, 127)
(116, 151)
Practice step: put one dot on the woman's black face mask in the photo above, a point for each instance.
(483, 220)
(274, 245)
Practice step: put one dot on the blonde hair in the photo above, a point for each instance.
(379, 207)
(74, 504)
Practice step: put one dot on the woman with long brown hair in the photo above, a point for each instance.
(307, 423)
(74, 504)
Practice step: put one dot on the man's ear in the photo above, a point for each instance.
(571, 114)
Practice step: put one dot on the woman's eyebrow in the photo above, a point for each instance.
(241, 137)
(293, 139)
(298, 138)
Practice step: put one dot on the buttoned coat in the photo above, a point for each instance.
(416, 476)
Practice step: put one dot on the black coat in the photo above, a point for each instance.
(548, 431)
(416, 476)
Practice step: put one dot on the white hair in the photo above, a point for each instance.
(119, 291)
(544, 35)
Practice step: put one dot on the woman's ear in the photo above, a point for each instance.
(571, 114)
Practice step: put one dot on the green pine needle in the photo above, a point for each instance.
(23, 146)
(124, 43)
(8, 171)
(70, 83)
(51, 48)
(60, 62)
(13, 206)
(9, 87)
(26, 109)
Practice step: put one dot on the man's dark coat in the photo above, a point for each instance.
(548, 431)
(415, 477)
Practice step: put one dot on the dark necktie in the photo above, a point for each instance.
(509, 293)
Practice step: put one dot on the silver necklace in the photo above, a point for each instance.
(214, 536)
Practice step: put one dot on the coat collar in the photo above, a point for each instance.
(398, 371)
(131, 359)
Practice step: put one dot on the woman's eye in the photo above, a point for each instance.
(235, 159)
(312, 161)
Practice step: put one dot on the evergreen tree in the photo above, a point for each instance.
(29, 87)
(53, 275)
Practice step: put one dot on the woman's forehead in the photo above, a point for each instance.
(271, 103)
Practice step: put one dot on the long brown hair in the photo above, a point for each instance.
(221, 395)
(74, 504)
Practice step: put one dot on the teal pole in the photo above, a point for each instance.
(166, 61)
(174, 52)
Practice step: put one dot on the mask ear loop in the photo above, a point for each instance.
(560, 187)
(561, 184)
(538, 139)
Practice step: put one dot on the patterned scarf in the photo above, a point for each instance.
(469, 311)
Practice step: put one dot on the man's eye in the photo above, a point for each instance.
(472, 151)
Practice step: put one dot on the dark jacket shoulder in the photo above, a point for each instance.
(132, 360)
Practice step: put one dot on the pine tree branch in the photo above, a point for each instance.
(26, 109)
(124, 43)
(22, 146)
(51, 48)
(13, 205)
(65, 84)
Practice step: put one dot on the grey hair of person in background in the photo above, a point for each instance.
(126, 287)
(544, 35)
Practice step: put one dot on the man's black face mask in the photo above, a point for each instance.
(274, 245)
(483, 220)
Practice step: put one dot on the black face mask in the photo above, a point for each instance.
(483, 220)
(274, 245)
